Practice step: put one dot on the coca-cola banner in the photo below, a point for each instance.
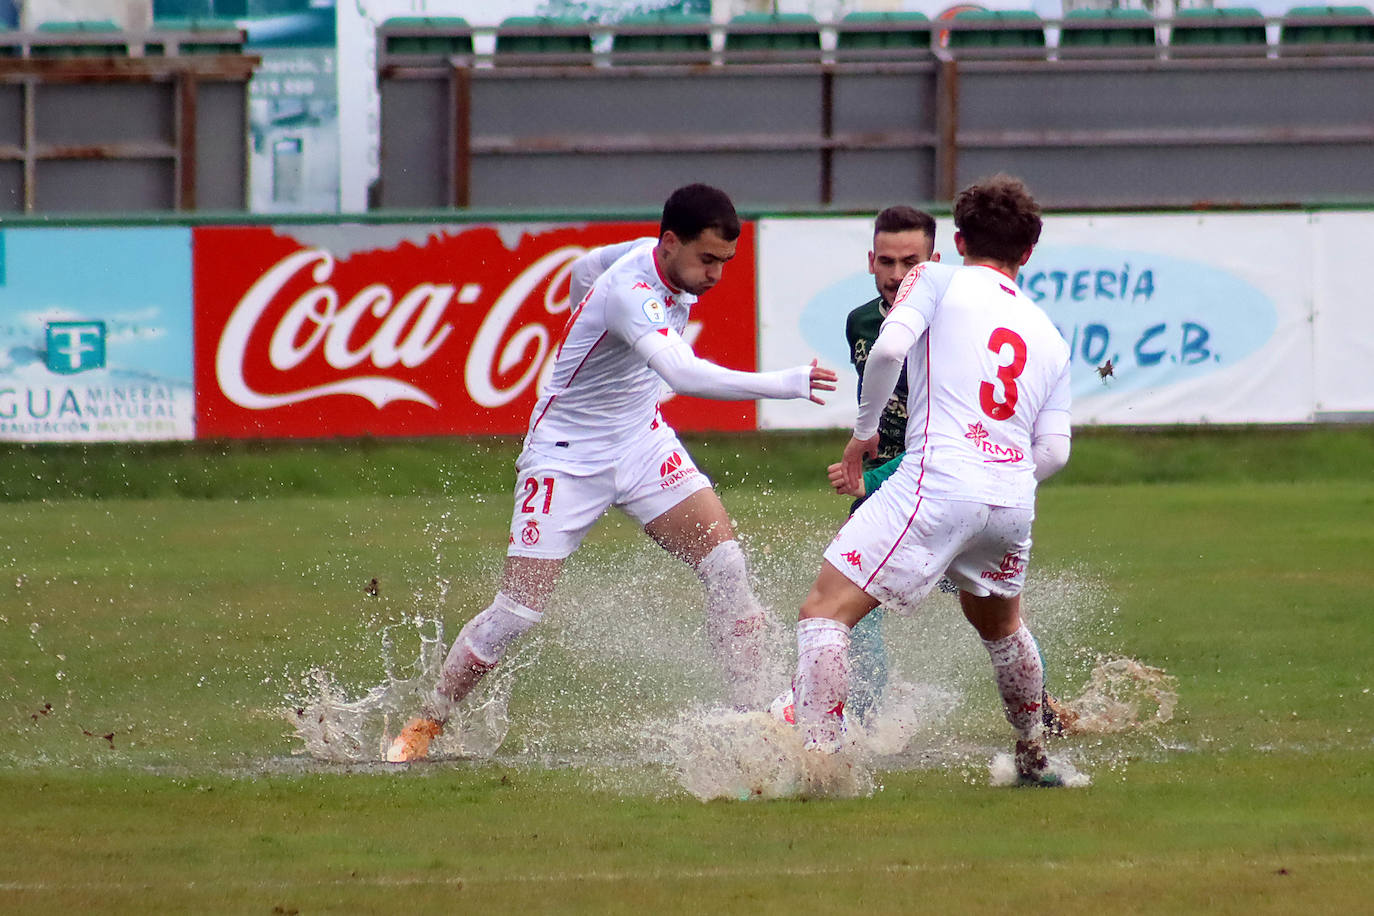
(404, 330)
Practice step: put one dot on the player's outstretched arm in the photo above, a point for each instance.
(686, 373)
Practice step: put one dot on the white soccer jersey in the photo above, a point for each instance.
(602, 395)
(586, 269)
(989, 374)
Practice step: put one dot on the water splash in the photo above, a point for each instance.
(1122, 694)
(336, 727)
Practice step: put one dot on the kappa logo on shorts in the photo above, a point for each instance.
(672, 471)
(854, 559)
(529, 535)
(1013, 565)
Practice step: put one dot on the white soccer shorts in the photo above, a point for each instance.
(897, 549)
(558, 499)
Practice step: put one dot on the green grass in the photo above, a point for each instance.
(178, 616)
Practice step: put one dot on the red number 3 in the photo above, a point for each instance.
(1006, 374)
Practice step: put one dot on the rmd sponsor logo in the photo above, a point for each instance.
(993, 453)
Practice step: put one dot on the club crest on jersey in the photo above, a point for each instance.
(654, 310)
(672, 471)
(529, 535)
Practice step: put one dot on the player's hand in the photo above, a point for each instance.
(852, 462)
(836, 474)
(821, 380)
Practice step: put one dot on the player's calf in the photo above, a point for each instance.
(737, 627)
(477, 650)
(822, 682)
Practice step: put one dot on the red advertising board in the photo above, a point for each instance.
(318, 331)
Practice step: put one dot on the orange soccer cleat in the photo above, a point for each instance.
(413, 741)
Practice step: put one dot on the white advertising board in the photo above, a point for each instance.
(1206, 318)
(1343, 323)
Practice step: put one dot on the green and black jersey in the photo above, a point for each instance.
(861, 329)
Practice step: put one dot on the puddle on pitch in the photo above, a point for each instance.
(618, 681)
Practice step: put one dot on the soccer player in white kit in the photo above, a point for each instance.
(597, 440)
(988, 409)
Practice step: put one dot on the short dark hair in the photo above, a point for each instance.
(902, 218)
(691, 210)
(998, 219)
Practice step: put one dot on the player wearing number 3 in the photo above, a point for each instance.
(596, 440)
(988, 409)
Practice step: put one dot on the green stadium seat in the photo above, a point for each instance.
(81, 39)
(182, 10)
(441, 36)
(1111, 28)
(155, 47)
(1237, 29)
(758, 36)
(529, 37)
(867, 31)
(1315, 33)
(1016, 29)
(677, 34)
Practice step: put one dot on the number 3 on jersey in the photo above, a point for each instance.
(531, 486)
(1006, 374)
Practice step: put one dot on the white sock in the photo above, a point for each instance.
(822, 682)
(1020, 677)
(479, 646)
(737, 628)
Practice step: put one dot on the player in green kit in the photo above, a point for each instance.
(902, 238)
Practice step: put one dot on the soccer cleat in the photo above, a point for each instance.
(413, 741)
(1033, 765)
(1058, 718)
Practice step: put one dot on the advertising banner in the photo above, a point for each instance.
(405, 330)
(91, 350)
(1170, 318)
(1343, 351)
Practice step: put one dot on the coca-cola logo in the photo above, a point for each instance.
(382, 330)
(321, 324)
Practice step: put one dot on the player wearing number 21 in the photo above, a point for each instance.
(596, 440)
(988, 406)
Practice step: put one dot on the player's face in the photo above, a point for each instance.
(893, 256)
(694, 266)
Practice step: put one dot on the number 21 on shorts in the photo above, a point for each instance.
(533, 487)
(1006, 374)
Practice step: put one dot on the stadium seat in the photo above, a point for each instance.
(430, 36)
(81, 39)
(649, 34)
(194, 45)
(866, 31)
(1111, 28)
(1307, 37)
(1237, 29)
(525, 39)
(1017, 29)
(759, 36)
